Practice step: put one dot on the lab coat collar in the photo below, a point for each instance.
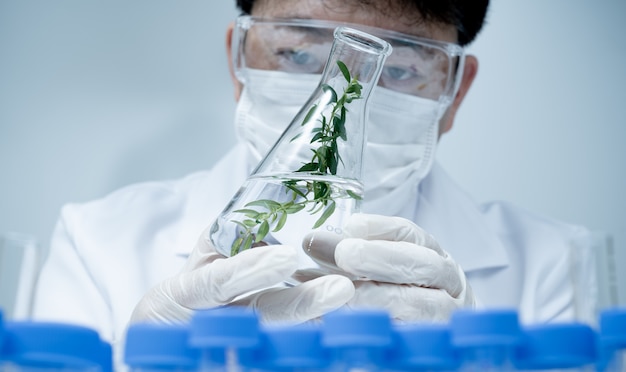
(457, 223)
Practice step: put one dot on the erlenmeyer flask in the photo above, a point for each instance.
(311, 177)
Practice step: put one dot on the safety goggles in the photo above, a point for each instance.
(420, 67)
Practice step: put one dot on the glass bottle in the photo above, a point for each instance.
(612, 340)
(44, 346)
(422, 347)
(557, 347)
(289, 348)
(2, 356)
(486, 339)
(151, 347)
(224, 337)
(358, 340)
(311, 177)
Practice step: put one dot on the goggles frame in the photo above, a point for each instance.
(454, 52)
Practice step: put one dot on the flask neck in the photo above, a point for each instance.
(361, 53)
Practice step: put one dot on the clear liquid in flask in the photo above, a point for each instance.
(286, 207)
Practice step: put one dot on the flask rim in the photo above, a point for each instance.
(363, 41)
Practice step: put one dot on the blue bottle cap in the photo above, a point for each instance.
(348, 328)
(224, 327)
(613, 328)
(558, 345)
(422, 347)
(1, 336)
(55, 345)
(107, 357)
(478, 328)
(289, 347)
(159, 346)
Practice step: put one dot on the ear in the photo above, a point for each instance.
(231, 68)
(469, 73)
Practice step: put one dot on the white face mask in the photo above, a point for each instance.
(401, 139)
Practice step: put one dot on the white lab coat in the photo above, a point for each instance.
(107, 253)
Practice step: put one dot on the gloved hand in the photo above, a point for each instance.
(395, 265)
(208, 280)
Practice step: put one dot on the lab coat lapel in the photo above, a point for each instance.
(452, 217)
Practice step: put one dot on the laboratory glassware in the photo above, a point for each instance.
(159, 347)
(311, 177)
(486, 339)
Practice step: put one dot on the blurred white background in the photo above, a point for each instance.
(95, 95)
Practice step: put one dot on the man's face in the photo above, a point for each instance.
(423, 77)
(381, 14)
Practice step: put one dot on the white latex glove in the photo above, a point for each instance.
(208, 280)
(395, 265)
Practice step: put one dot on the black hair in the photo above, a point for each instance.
(467, 16)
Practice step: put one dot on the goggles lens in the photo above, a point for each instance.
(418, 67)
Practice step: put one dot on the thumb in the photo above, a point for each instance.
(304, 302)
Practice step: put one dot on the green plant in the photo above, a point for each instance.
(317, 194)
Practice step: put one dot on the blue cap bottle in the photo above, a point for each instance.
(2, 357)
(422, 347)
(357, 339)
(612, 340)
(486, 339)
(290, 348)
(55, 346)
(557, 346)
(220, 334)
(159, 347)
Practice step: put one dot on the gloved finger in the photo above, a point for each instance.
(305, 275)
(408, 302)
(385, 261)
(320, 246)
(203, 253)
(378, 227)
(399, 262)
(223, 279)
(301, 303)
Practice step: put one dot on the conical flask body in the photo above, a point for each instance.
(311, 177)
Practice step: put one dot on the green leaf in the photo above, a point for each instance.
(250, 213)
(354, 195)
(249, 223)
(296, 137)
(266, 203)
(333, 94)
(241, 224)
(308, 167)
(295, 208)
(340, 125)
(296, 190)
(262, 233)
(247, 244)
(327, 213)
(320, 189)
(332, 162)
(236, 247)
(309, 114)
(317, 137)
(281, 222)
(344, 70)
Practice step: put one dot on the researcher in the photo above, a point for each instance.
(421, 248)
